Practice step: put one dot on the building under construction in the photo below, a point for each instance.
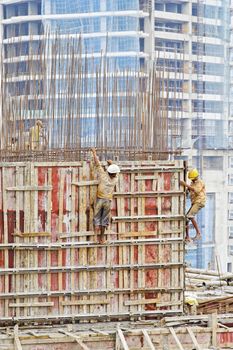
(105, 75)
(187, 40)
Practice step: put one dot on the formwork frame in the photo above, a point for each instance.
(51, 268)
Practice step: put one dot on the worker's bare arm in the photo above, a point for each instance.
(190, 188)
(96, 159)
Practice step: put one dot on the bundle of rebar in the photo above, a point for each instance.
(83, 101)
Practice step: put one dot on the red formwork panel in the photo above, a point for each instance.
(51, 268)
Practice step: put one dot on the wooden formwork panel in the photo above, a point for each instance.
(50, 266)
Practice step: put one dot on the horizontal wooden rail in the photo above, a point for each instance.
(146, 169)
(30, 188)
(81, 292)
(66, 268)
(68, 245)
(148, 218)
(100, 316)
(148, 194)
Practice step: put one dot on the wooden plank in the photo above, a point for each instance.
(32, 234)
(194, 340)
(30, 188)
(146, 177)
(26, 255)
(213, 323)
(85, 302)
(72, 227)
(89, 245)
(85, 268)
(178, 343)
(176, 247)
(77, 339)
(47, 279)
(82, 220)
(132, 248)
(18, 171)
(141, 302)
(17, 343)
(148, 194)
(86, 183)
(121, 227)
(79, 292)
(5, 237)
(146, 233)
(60, 228)
(148, 339)
(148, 218)
(76, 234)
(122, 339)
(33, 255)
(141, 249)
(31, 304)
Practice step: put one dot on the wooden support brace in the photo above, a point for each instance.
(148, 339)
(86, 183)
(148, 218)
(42, 304)
(178, 343)
(194, 340)
(141, 302)
(17, 344)
(99, 331)
(148, 194)
(78, 340)
(30, 188)
(122, 339)
(32, 234)
(85, 302)
(213, 323)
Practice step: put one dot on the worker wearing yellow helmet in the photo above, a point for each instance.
(198, 200)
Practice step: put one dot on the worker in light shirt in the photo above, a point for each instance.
(198, 200)
(107, 182)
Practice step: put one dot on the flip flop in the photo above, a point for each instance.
(197, 238)
(188, 240)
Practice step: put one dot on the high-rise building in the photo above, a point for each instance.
(189, 41)
(194, 37)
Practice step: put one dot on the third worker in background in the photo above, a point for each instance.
(37, 138)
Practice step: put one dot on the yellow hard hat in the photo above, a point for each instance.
(193, 174)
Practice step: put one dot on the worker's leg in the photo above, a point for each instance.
(105, 219)
(98, 210)
(195, 225)
(190, 216)
(187, 238)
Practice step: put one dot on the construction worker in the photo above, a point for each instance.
(198, 200)
(37, 140)
(107, 183)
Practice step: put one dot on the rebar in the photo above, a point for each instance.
(83, 101)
